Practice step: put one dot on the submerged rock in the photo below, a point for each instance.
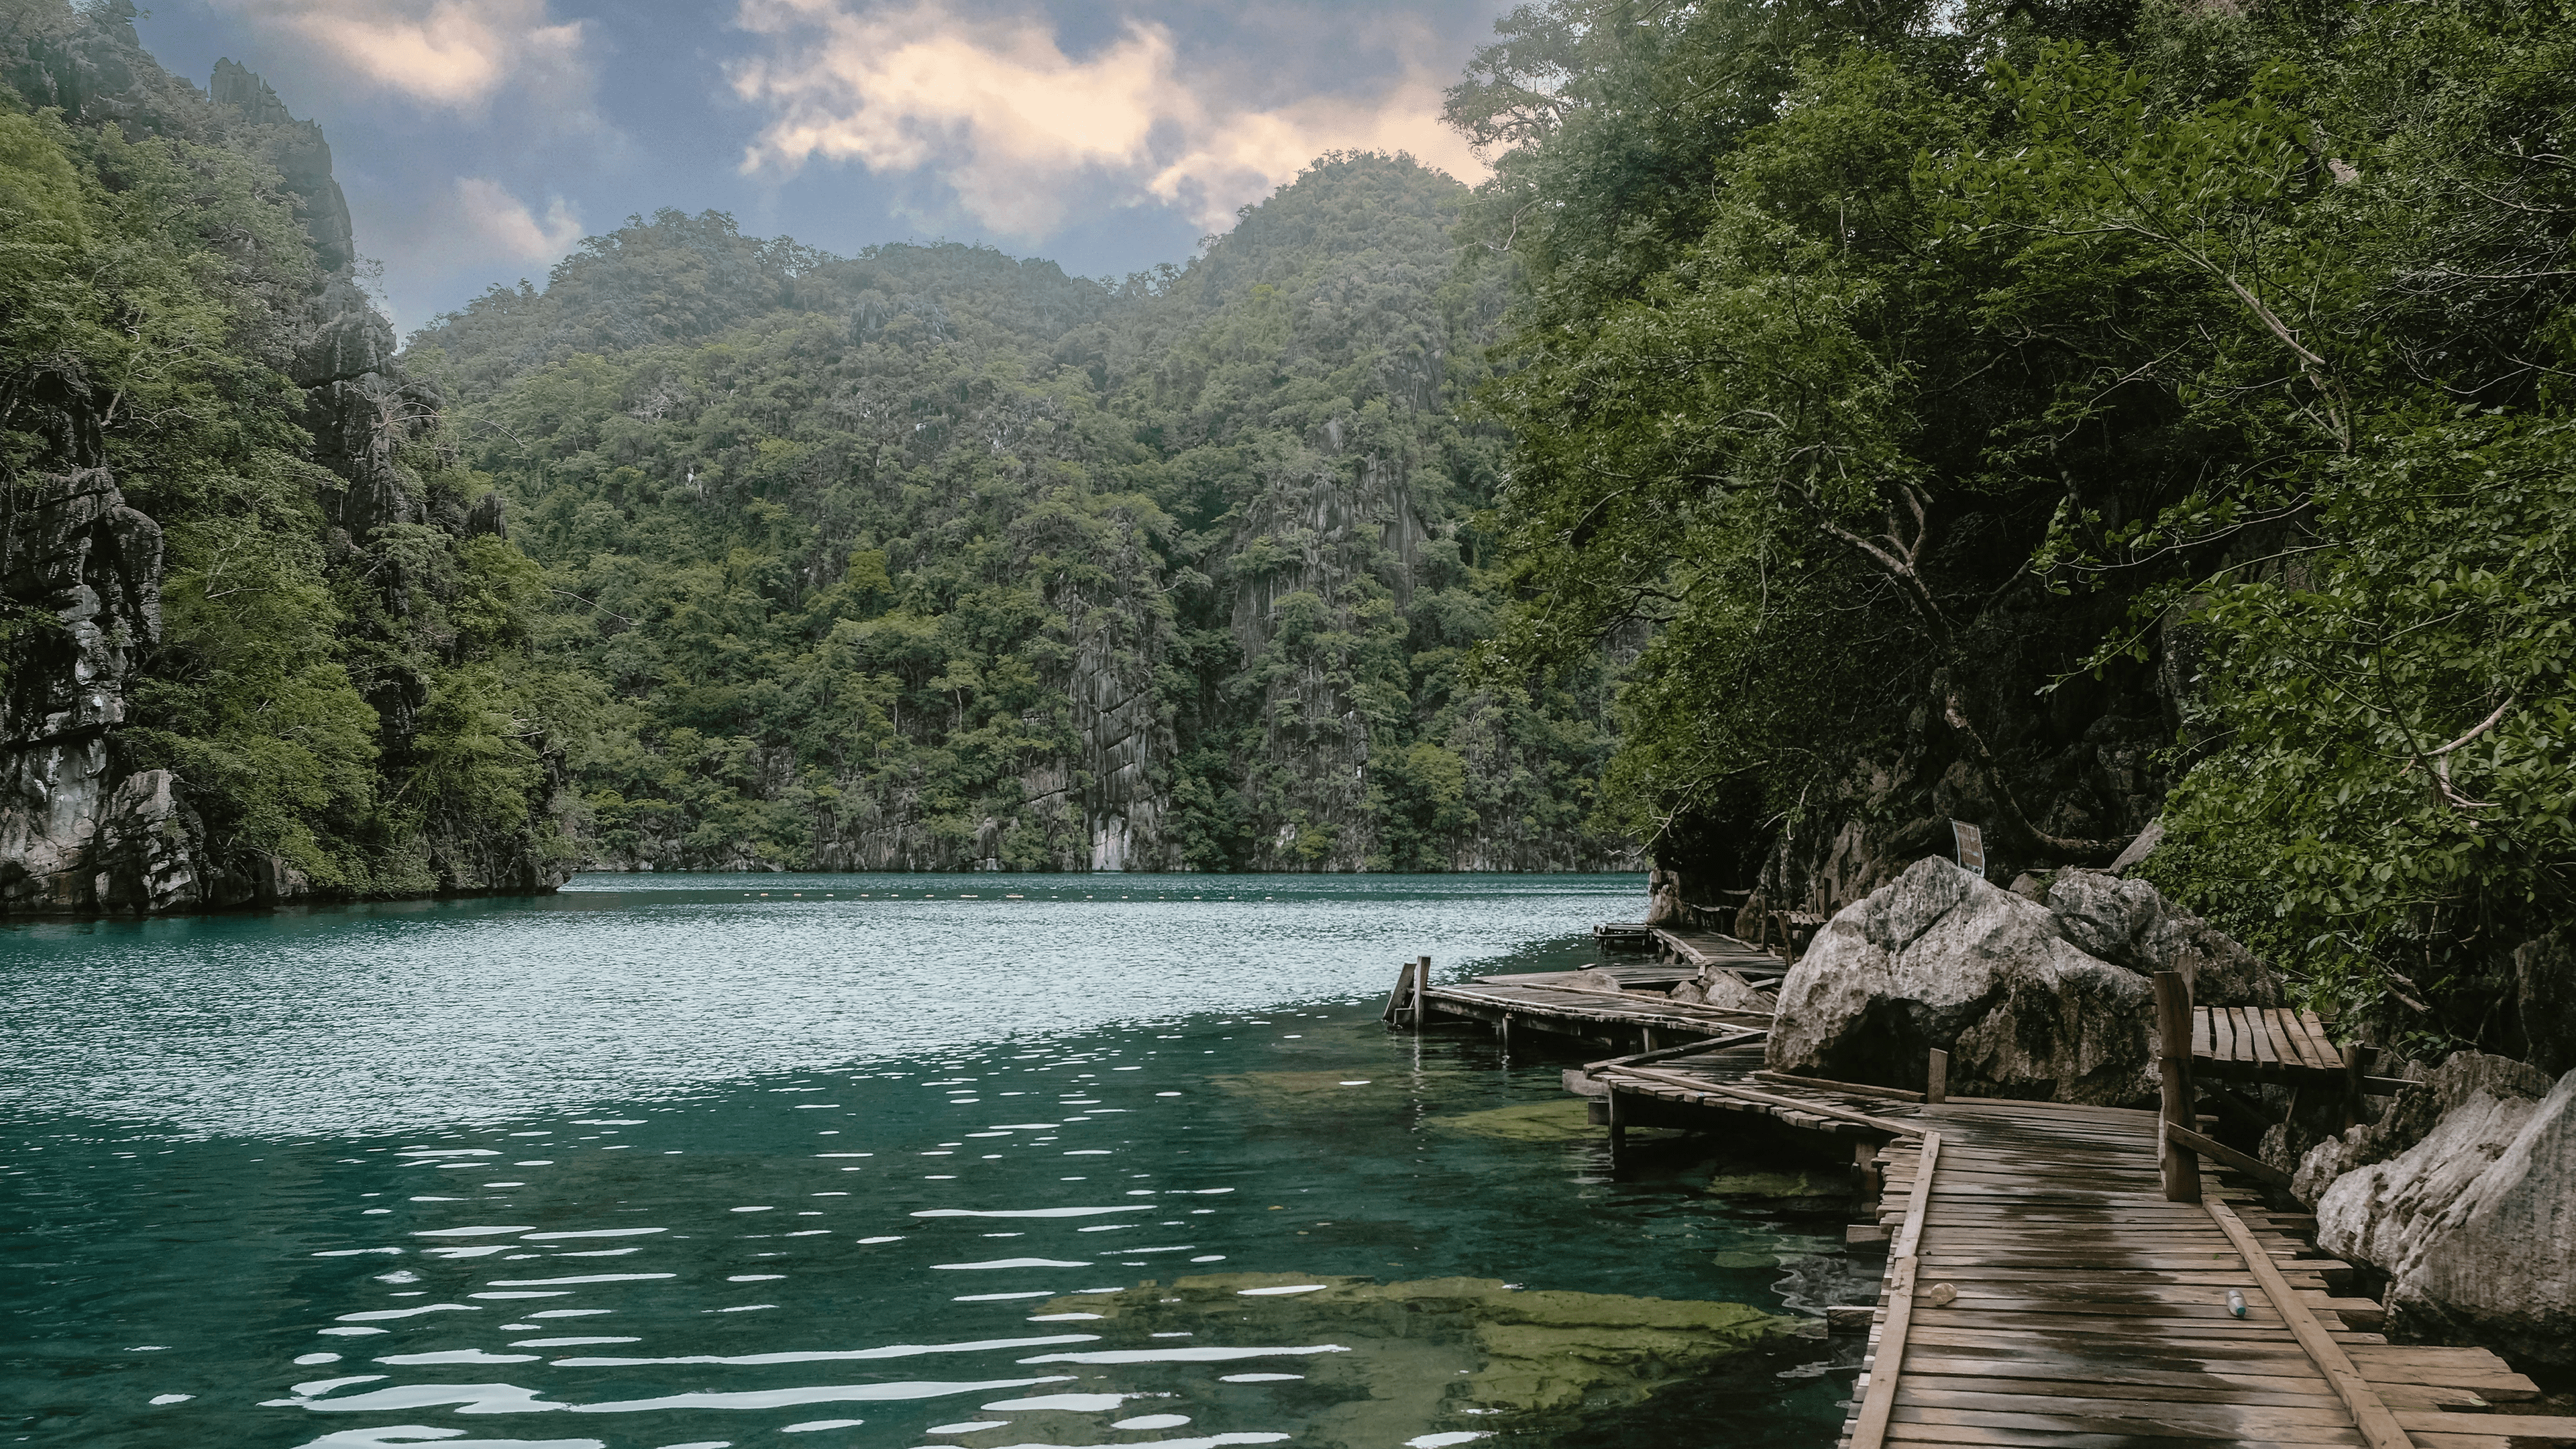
(2475, 1223)
(1457, 1353)
(1559, 1119)
(1940, 958)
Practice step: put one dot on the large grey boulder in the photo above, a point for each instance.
(2475, 1224)
(2412, 1114)
(1940, 958)
(2130, 923)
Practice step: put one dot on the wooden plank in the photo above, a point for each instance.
(2556, 1429)
(2378, 1427)
(2235, 1417)
(1729, 1089)
(2294, 1031)
(2284, 1037)
(2202, 1043)
(1927, 1162)
(1878, 1402)
(1854, 1089)
(2113, 1424)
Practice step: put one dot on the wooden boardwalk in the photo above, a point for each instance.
(2041, 1289)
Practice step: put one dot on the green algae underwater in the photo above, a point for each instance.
(1232, 1223)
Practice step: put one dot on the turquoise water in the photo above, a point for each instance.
(856, 1160)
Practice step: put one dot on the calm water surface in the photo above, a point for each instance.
(685, 1162)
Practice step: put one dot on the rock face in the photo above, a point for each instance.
(87, 570)
(2129, 923)
(2412, 1115)
(2475, 1223)
(1939, 958)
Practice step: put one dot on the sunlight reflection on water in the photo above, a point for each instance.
(416, 1015)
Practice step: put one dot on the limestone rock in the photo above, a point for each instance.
(1664, 898)
(1721, 988)
(91, 567)
(2139, 849)
(2475, 1224)
(2411, 1116)
(149, 855)
(2130, 923)
(1593, 978)
(1939, 958)
(345, 336)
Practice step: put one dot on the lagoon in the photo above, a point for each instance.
(983, 1161)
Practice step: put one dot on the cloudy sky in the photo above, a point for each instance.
(479, 139)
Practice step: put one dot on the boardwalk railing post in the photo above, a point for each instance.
(2174, 1108)
(1936, 1078)
(1421, 984)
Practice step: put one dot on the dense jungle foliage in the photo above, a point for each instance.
(930, 557)
(1914, 371)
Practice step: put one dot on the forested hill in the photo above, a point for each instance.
(932, 558)
(724, 552)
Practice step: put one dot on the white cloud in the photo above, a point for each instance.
(507, 229)
(1020, 130)
(453, 53)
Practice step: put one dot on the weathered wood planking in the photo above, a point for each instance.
(1698, 949)
(2267, 1044)
(2053, 1295)
(1625, 1020)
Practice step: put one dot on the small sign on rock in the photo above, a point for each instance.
(1972, 848)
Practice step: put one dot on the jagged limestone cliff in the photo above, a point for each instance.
(225, 605)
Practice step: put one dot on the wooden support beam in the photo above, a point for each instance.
(1936, 1078)
(1421, 987)
(2253, 1167)
(2174, 1106)
(2379, 1428)
(1869, 1427)
(1828, 1084)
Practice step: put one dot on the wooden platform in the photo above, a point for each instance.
(1624, 1020)
(1703, 949)
(2041, 1289)
(1624, 936)
(1729, 1080)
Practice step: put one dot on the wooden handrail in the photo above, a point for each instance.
(1869, 1428)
